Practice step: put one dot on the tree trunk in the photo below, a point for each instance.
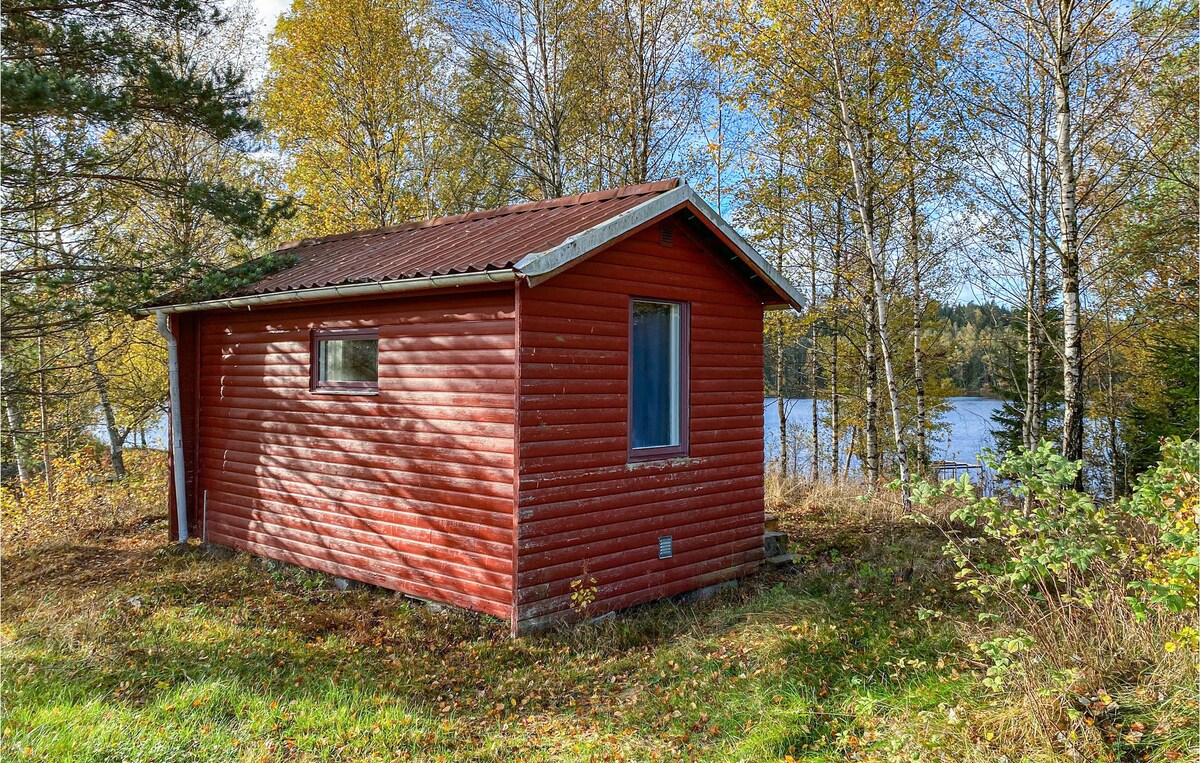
(835, 412)
(1073, 392)
(835, 422)
(812, 346)
(1028, 432)
(1039, 421)
(44, 416)
(919, 378)
(116, 440)
(815, 471)
(1114, 433)
(889, 375)
(1043, 289)
(781, 401)
(863, 195)
(871, 420)
(720, 142)
(1114, 437)
(1036, 296)
(918, 307)
(1031, 423)
(780, 354)
(13, 417)
(849, 450)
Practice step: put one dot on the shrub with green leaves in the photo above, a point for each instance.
(1051, 538)
(1165, 497)
(1056, 543)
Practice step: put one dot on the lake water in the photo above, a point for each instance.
(962, 429)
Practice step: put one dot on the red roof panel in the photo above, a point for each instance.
(487, 240)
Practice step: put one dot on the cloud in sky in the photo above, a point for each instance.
(268, 11)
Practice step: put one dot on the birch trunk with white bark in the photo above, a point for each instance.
(14, 419)
(875, 261)
(116, 439)
(1073, 392)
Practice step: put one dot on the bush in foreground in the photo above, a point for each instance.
(1094, 603)
(82, 498)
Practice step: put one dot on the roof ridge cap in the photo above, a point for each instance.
(639, 189)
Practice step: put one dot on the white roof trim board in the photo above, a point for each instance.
(539, 266)
(420, 283)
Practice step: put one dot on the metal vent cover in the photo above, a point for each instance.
(666, 235)
(664, 547)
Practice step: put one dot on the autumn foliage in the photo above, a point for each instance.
(82, 498)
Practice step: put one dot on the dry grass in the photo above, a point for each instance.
(119, 646)
(850, 501)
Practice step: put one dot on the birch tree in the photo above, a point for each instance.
(650, 87)
(348, 99)
(1086, 55)
(536, 51)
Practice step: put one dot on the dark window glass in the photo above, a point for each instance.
(347, 360)
(656, 374)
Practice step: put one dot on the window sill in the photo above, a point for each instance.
(645, 455)
(345, 391)
(663, 465)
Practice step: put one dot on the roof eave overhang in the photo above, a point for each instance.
(539, 266)
(422, 283)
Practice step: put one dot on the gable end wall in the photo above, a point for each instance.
(584, 511)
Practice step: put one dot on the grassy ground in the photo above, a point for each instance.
(117, 646)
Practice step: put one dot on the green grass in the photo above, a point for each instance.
(119, 647)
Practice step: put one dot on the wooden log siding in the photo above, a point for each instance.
(583, 509)
(411, 488)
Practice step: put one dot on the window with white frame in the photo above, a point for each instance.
(657, 377)
(345, 360)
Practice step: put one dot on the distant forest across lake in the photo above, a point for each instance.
(973, 347)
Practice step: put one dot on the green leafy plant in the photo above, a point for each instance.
(1076, 594)
(1052, 540)
(1166, 499)
(1060, 545)
(1002, 654)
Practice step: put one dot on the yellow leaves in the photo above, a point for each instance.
(345, 99)
(81, 497)
(132, 356)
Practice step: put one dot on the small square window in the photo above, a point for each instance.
(345, 360)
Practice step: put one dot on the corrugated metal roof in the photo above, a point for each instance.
(479, 241)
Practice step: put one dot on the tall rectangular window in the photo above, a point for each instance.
(657, 378)
(345, 360)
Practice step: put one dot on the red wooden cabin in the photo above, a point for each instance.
(481, 409)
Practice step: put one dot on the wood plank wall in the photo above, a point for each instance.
(411, 489)
(583, 509)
